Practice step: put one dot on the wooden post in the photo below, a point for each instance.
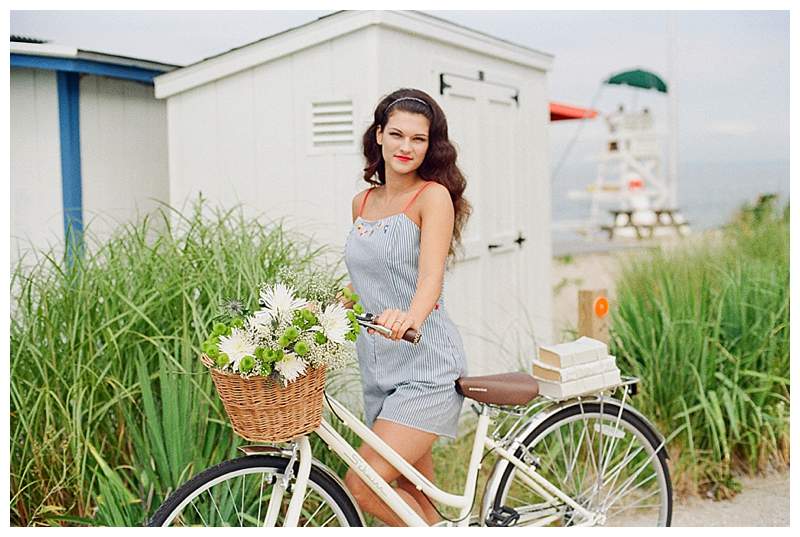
(593, 314)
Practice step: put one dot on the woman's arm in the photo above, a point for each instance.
(437, 217)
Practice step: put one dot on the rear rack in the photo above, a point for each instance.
(510, 419)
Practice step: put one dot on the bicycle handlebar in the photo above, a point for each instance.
(367, 320)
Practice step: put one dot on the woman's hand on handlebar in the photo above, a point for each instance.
(398, 321)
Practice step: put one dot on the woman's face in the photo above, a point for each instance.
(404, 141)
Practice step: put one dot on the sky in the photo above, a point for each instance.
(730, 70)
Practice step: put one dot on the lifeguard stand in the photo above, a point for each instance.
(631, 182)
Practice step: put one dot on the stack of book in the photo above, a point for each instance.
(575, 368)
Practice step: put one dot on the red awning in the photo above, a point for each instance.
(560, 112)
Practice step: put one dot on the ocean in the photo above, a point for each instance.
(709, 193)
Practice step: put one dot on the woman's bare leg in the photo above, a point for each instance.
(411, 444)
(425, 467)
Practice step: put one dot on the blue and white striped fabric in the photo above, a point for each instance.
(413, 385)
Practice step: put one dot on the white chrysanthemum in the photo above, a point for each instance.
(236, 346)
(279, 301)
(259, 332)
(290, 367)
(333, 322)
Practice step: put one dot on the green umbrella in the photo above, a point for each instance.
(639, 78)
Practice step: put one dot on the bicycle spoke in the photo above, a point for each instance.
(328, 520)
(599, 457)
(260, 497)
(202, 519)
(635, 505)
(238, 514)
(628, 482)
(308, 521)
(215, 506)
(242, 509)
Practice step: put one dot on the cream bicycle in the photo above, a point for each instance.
(588, 460)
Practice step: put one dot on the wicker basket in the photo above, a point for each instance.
(263, 410)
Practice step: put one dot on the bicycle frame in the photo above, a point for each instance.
(551, 493)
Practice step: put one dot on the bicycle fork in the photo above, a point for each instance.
(301, 451)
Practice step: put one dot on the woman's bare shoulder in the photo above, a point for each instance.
(436, 197)
(357, 199)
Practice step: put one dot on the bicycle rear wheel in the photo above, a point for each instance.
(609, 461)
(238, 492)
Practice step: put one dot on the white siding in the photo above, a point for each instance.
(123, 152)
(246, 138)
(36, 207)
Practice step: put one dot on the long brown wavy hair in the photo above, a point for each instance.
(440, 160)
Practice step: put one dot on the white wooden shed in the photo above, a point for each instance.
(88, 143)
(276, 126)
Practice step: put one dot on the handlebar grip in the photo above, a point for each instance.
(412, 336)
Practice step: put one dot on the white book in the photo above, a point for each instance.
(543, 371)
(580, 351)
(563, 390)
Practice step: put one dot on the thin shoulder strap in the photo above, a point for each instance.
(426, 185)
(364, 201)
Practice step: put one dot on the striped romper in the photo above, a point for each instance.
(413, 385)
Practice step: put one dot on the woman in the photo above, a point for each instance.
(404, 231)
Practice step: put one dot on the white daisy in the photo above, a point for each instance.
(279, 301)
(290, 367)
(261, 317)
(236, 346)
(333, 322)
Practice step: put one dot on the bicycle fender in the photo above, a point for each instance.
(492, 484)
(286, 454)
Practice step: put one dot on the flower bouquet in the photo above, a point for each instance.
(269, 365)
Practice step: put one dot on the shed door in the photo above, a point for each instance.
(487, 291)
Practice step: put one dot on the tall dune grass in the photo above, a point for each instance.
(707, 329)
(110, 409)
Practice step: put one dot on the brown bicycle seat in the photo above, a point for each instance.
(502, 389)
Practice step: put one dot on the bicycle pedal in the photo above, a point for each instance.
(503, 517)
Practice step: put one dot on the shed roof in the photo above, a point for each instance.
(335, 25)
(41, 48)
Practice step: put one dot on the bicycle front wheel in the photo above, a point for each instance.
(606, 459)
(238, 493)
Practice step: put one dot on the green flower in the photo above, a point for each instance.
(301, 348)
(320, 338)
(291, 333)
(358, 308)
(348, 294)
(219, 330)
(247, 364)
(222, 360)
(266, 368)
(350, 336)
(283, 341)
(237, 323)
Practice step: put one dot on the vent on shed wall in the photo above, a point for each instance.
(332, 124)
